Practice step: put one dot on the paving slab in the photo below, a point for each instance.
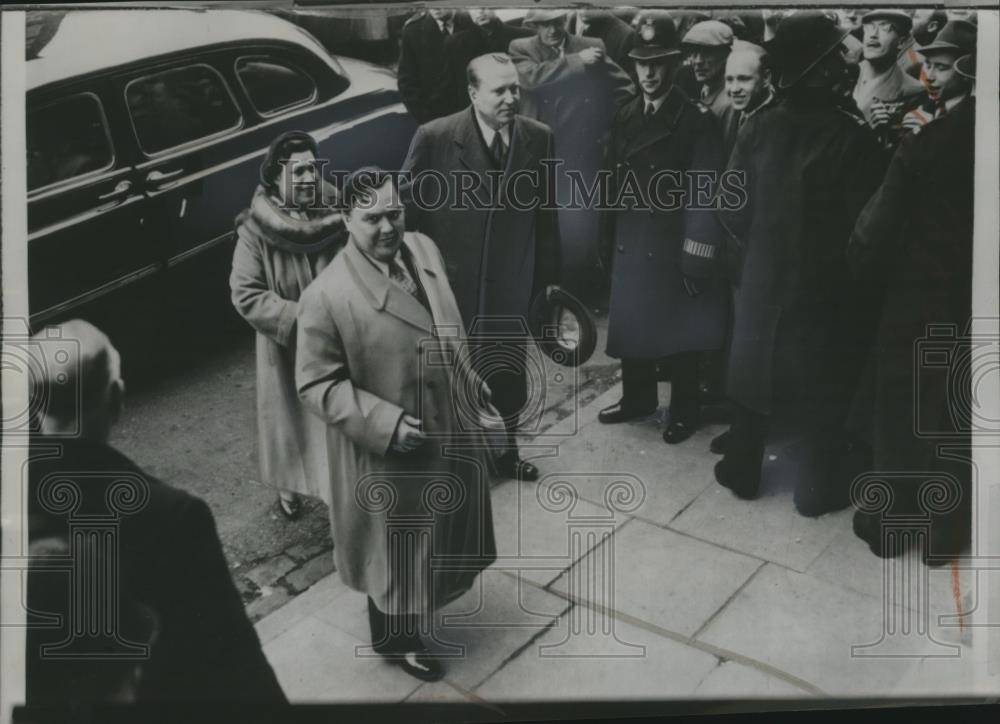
(317, 663)
(315, 598)
(903, 581)
(659, 576)
(731, 680)
(532, 527)
(589, 663)
(663, 478)
(768, 527)
(947, 677)
(804, 626)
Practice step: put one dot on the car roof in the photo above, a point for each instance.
(89, 41)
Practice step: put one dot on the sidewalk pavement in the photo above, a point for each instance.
(627, 572)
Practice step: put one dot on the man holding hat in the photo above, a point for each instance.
(882, 87)
(666, 299)
(708, 44)
(798, 323)
(945, 88)
(569, 83)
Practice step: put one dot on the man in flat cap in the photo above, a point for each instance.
(569, 83)
(883, 89)
(945, 87)
(915, 236)
(708, 44)
(667, 300)
(797, 336)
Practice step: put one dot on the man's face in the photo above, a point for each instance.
(481, 16)
(925, 25)
(708, 64)
(376, 222)
(881, 40)
(744, 80)
(441, 14)
(297, 183)
(654, 76)
(940, 78)
(499, 93)
(552, 32)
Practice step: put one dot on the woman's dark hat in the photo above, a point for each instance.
(657, 38)
(800, 42)
(267, 167)
(546, 313)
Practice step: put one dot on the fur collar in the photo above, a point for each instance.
(265, 218)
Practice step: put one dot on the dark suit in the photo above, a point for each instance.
(171, 559)
(461, 47)
(578, 102)
(423, 75)
(497, 255)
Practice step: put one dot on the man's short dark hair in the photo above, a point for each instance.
(362, 184)
(470, 70)
(278, 154)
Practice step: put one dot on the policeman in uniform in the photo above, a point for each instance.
(799, 324)
(665, 298)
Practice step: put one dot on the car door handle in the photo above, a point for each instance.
(117, 192)
(157, 178)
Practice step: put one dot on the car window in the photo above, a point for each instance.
(66, 139)
(180, 106)
(274, 86)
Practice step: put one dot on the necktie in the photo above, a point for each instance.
(650, 110)
(498, 149)
(399, 274)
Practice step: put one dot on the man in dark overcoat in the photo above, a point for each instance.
(798, 323)
(570, 84)
(500, 243)
(666, 299)
(423, 73)
(915, 235)
(169, 556)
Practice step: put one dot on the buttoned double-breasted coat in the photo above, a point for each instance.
(651, 315)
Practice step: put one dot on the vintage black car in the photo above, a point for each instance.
(146, 129)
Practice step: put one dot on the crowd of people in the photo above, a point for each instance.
(392, 366)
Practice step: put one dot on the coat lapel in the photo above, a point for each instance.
(383, 293)
(662, 124)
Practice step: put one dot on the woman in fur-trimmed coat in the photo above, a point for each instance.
(281, 245)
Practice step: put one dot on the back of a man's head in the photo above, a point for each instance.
(78, 388)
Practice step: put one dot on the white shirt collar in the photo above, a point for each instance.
(488, 132)
(442, 25)
(949, 105)
(656, 103)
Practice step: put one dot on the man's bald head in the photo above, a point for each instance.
(747, 76)
(80, 379)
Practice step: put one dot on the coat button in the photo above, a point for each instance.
(649, 254)
(621, 248)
